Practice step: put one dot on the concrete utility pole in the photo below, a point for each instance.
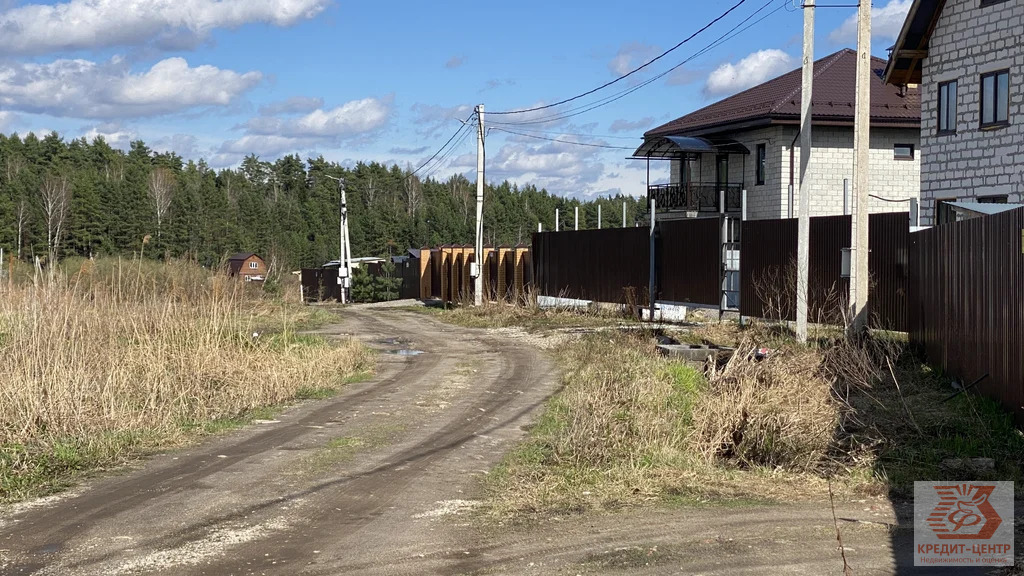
(478, 278)
(803, 241)
(861, 172)
(344, 247)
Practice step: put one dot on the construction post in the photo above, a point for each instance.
(598, 216)
(861, 173)
(478, 278)
(804, 214)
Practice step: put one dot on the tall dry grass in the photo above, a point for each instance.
(95, 359)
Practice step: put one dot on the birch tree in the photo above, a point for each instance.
(161, 191)
(55, 198)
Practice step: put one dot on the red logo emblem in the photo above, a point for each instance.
(964, 513)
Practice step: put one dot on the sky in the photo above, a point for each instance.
(392, 81)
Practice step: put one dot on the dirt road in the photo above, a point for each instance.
(382, 480)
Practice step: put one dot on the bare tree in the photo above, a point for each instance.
(21, 213)
(161, 190)
(55, 197)
(413, 192)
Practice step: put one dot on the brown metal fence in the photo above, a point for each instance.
(768, 263)
(602, 265)
(966, 294)
(688, 261)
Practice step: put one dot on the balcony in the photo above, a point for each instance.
(696, 197)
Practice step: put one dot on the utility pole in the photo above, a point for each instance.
(861, 174)
(344, 248)
(478, 278)
(804, 215)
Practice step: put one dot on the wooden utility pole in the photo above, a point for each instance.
(861, 172)
(478, 277)
(804, 215)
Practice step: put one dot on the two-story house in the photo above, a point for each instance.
(751, 141)
(968, 58)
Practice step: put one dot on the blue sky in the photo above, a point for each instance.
(387, 81)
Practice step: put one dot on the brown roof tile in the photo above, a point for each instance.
(778, 101)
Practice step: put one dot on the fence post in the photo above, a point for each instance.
(915, 212)
(651, 279)
(846, 196)
(598, 216)
(556, 220)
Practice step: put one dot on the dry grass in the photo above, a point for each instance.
(112, 360)
(775, 412)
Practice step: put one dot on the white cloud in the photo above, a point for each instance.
(115, 135)
(631, 56)
(274, 136)
(293, 105)
(85, 89)
(623, 125)
(350, 119)
(7, 119)
(750, 71)
(886, 23)
(90, 24)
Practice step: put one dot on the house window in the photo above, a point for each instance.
(944, 213)
(903, 151)
(996, 199)
(254, 265)
(947, 107)
(995, 99)
(762, 154)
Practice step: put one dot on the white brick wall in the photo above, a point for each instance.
(831, 162)
(968, 41)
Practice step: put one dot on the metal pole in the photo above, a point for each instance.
(577, 216)
(743, 207)
(915, 212)
(623, 214)
(789, 214)
(804, 216)
(598, 216)
(556, 220)
(846, 196)
(861, 171)
(651, 279)
(475, 269)
(540, 227)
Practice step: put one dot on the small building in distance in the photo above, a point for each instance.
(247, 266)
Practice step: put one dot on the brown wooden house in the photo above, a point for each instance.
(247, 267)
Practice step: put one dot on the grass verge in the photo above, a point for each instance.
(113, 362)
(632, 427)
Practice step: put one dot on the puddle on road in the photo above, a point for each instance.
(404, 352)
(392, 341)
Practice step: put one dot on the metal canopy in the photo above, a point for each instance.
(684, 146)
(984, 208)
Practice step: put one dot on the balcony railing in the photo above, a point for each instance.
(696, 197)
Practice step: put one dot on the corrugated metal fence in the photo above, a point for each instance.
(966, 295)
(768, 263)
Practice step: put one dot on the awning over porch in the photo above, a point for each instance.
(684, 146)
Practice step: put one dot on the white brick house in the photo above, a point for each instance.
(968, 57)
(751, 141)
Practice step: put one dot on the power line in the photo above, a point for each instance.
(610, 147)
(444, 157)
(631, 72)
(560, 133)
(443, 146)
(732, 33)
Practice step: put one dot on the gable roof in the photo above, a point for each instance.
(905, 60)
(777, 101)
(241, 256)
